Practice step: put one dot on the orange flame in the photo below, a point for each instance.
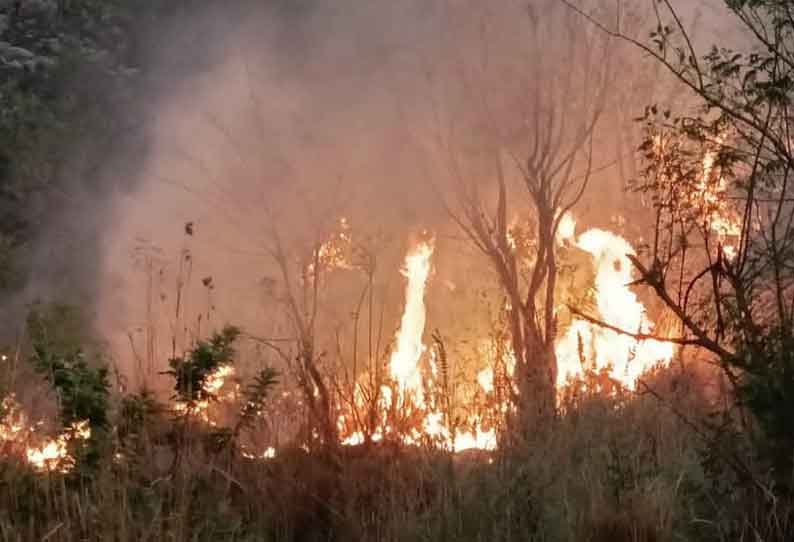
(404, 363)
(623, 356)
(335, 252)
(14, 423)
(53, 455)
(212, 385)
(720, 217)
(404, 368)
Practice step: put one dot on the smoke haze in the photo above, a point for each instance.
(256, 120)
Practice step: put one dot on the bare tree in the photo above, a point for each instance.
(303, 305)
(535, 112)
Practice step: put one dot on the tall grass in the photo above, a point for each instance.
(624, 467)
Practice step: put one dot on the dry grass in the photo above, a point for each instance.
(623, 468)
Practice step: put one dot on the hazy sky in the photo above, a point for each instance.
(259, 119)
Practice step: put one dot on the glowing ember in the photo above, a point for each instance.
(50, 456)
(216, 380)
(511, 240)
(269, 453)
(335, 252)
(14, 422)
(719, 215)
(624, 357)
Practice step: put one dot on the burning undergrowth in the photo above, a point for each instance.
(420, 379)
(25, 439)
(413, 398)
(268, 144)
(414, 401)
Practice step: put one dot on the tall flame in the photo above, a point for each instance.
(584, 343)
(404, 362)
(624, 357)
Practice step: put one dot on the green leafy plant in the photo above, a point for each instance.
(191, 371)
(82, 390)
(82, 387)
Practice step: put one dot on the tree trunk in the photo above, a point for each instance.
(536, 383)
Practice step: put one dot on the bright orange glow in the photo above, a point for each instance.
(405, 371)
(269, 453)
(14, 423)
(335, 252)
(50, 455)
(566, 230)
(719, 215)
(404, 362)
(53, 455)
(213, 385)
(624, 357)
(216, 380)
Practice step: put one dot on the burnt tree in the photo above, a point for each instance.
(520, 145)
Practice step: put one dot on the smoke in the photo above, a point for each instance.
(288, 129)
(260, 121)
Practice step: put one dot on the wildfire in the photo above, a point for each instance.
(212, 385)
(14, 422)
(216, 380)
(566, 230)
(53, 455)
(719, 215)
(334, 253)
(584, 343)
(411, 390)
(485, 379)
(404, 363)
(405, 369)
(269, 453)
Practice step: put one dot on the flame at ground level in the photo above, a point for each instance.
(50, 455)
(54, 454)
(585, 343)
